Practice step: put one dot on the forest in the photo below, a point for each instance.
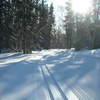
(27, 25)
(49, 49)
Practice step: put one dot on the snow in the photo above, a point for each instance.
(55, 74)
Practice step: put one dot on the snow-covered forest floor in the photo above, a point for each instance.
(50, 75)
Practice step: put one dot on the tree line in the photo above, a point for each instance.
(25, 25)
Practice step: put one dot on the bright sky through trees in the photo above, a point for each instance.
(82, 6)
(59, 10)
(78, 6)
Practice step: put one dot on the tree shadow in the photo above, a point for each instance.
(71, 69)
(23, 74)
(9, 55)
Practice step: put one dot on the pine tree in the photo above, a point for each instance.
(45, 25)
(5, 23)
(25, 25)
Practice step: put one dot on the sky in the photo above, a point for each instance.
(58, 2)
(59, 10)
(78, 6)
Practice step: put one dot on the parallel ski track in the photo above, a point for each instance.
(47, 84)
(55, 83)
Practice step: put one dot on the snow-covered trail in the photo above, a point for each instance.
(53, 87)
(78, 75)
(20, 79)
(50, 75)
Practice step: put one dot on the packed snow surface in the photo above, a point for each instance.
(50, 75)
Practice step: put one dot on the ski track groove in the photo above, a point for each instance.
(79, 92)
(82, 95)
(54, 80)
(47, 84)
(56, 84)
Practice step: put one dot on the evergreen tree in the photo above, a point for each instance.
(25, 25)
(5, 23)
